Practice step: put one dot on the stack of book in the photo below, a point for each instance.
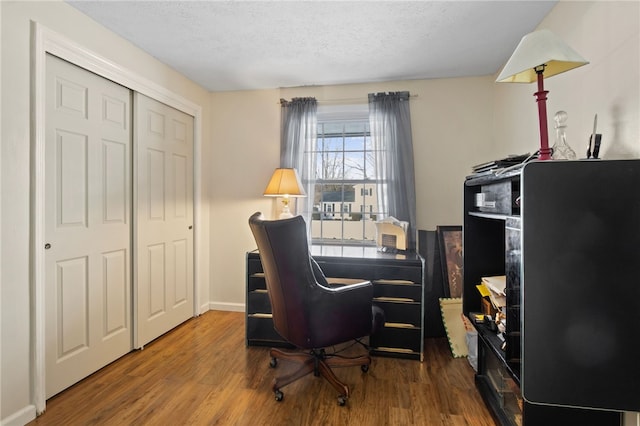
(495, 165)
(492, 290)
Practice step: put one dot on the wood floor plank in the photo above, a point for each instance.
(202, 373)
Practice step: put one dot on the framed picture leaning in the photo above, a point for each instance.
(450, 245)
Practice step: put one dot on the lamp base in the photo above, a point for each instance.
(286, 213)
(541, 99)
(545, 154)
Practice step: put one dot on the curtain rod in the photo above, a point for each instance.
(344, 100)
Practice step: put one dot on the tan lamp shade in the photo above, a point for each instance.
(535, 49)
(285, 183)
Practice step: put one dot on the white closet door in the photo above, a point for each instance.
(163, 166)
(87, 225)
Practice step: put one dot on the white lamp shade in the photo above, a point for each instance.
(285, 183)
(539, 48)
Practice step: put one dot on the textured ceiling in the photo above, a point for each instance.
(241, 45)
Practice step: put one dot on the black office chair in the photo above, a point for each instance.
(307, 312)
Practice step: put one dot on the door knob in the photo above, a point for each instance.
(47, 246)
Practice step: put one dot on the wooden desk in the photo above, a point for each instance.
(397, 288)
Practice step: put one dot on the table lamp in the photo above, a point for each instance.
(285, 183)
(540, 54)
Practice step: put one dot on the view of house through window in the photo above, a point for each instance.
(345, 202)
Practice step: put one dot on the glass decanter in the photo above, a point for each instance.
(561, 149)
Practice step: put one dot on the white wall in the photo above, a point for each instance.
(246, 128)
(17, 367)
(451, 120)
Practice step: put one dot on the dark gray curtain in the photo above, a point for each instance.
(390, 125)
(298, 134)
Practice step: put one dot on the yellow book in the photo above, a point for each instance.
(484, 291)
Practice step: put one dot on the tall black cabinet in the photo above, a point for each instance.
(566, 234)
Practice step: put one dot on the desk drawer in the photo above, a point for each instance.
(401, 312)
(258, 302)
(254, 266)
(400, 339)
(397, 289)
(256, 282)
(260, 331)
(371, 272)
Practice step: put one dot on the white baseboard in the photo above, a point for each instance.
(20, 418)
(225, 306)
(203, 308)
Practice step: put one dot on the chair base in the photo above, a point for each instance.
(318, 362)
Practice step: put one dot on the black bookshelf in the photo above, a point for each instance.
(565, 234)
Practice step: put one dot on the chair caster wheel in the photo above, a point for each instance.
(342, 400)
(273, 362)
(364, 368)
(279, 395)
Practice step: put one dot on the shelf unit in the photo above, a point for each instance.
(512, 225)
(397, 286)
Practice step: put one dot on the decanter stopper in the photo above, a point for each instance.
(561, 149)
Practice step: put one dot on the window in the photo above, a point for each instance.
(345, 203)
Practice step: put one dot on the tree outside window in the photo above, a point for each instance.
(345, 203)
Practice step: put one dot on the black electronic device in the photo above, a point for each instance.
(594, 146)
(594, 141)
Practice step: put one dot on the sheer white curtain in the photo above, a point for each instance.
(298, 134)
(390, 126)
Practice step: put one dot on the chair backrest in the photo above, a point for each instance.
(284, 253)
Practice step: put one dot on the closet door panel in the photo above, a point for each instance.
(87, 223)
(163, 231)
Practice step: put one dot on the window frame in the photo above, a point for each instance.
(345, 115)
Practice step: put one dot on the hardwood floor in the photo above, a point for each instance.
(202, 373)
